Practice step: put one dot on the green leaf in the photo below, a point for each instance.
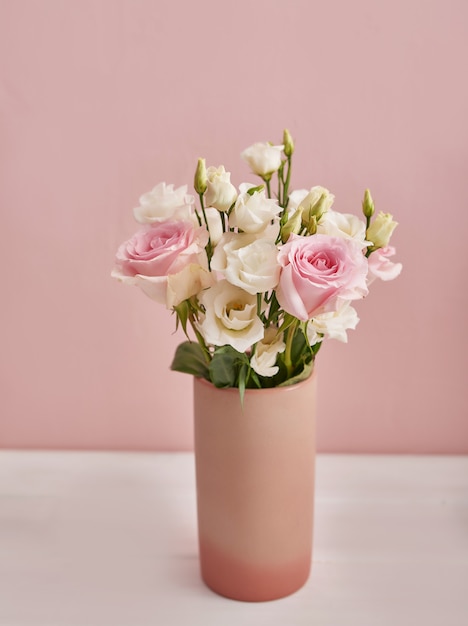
(224, 366)
(316, 347)
(253, 190)
(190, 359)
(303, 375)
(243, 373)
(288, 321)
(274, 309)
(300, 350)
(182, 312)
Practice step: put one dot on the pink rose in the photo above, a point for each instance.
(161, 250)
(316, 270)
(381, 267)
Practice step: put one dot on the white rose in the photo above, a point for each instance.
(247, 262)
(253, 213)
(333, 324)
(344, 225)
(230, 317)
(220, 192)
(164, 202)
(263, 158)
(264, 359)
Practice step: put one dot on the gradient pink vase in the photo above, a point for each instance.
(255, 488)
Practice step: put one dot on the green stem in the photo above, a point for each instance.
(209, 248)
(287, 353)
(267, 182)
(286, 184)
(280, 183)
(198, 217)
(200, 339)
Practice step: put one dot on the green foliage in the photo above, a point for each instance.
(225, 366)
(190, 359)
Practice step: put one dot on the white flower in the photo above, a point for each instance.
(247, 262)
(164, 202)
(344, 225)
(381, 229)
(220, 192)
(263, 158)
(308, 198)
(187, 283)
(333, 324)
(264, 359)
(215, 226)
(230, 317)
(253, 213)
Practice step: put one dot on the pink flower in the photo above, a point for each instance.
(161, 250)
(316, 270)
(381, 267)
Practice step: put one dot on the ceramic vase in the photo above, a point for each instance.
(255, 488)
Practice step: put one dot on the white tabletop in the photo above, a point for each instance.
(97, 539)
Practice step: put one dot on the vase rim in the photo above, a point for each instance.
(277, 389)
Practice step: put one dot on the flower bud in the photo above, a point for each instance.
(263, 159)
(220, 192)
(288, 143)
(311, 209)
(292, 225)
(367, 204)
(312, 225)
(200, 180)
(380, 231)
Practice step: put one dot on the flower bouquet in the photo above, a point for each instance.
(258, 276)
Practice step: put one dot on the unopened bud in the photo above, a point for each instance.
(312, 225)
(315, 210)
(200, 180)
(367, 204)
(288, 143)
(292, 225)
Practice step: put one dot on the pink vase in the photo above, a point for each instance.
(255, 488)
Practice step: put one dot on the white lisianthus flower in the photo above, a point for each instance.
(381, 229)
(314, 196)
(215, 226)
(220, 192)
(164, 202)
(263, 158)
(253, 213)
(247, 262)
(295, 198)
(308, 198)
(230, 317)
(344, 225)
(264, 359)
(187, 283)
(333, 324)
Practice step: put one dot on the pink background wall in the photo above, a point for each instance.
(102, 99)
